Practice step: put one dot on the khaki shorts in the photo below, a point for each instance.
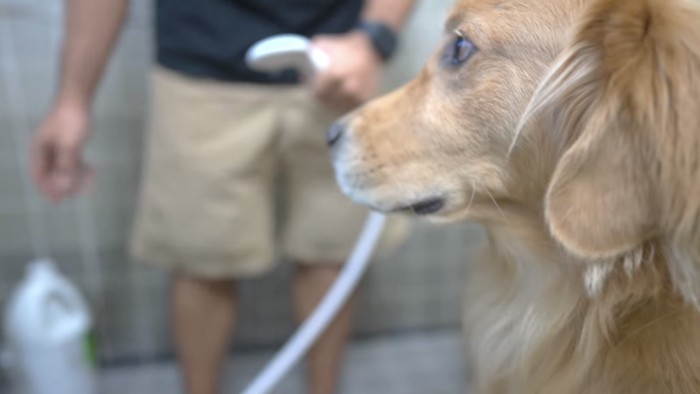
(236, 177)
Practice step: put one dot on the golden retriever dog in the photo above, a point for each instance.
(571, 130)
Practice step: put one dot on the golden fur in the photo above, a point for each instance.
(573, 136)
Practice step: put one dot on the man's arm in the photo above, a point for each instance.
(356, 64)
(91, 30)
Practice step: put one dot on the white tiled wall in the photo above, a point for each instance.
(418, 287)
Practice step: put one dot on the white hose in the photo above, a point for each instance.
(282, 52)
(297, 346)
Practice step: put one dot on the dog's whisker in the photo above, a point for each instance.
(498, 207)
(471, 199)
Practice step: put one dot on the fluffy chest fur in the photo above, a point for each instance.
(538, 322)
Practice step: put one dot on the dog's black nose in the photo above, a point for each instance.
(334, 133)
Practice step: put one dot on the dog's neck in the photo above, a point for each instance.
(522, 233)
(518, 237)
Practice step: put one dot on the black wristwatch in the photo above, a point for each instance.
(382, 37)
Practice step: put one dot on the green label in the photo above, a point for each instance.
(90, 348)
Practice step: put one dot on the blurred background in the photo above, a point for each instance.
(407, 337)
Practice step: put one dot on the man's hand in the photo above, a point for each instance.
(353, 74)
(57, 164)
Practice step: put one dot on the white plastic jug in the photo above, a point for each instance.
(47, 324)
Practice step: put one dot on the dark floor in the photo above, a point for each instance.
(421, 363)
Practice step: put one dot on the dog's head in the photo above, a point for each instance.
(440, 144)
(584, 111)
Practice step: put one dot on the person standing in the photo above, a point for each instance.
(220, 136)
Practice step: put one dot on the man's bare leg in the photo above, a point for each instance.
(204, 317)
(325, 358)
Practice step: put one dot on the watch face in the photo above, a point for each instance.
(383, 39)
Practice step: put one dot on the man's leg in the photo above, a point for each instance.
(311, 282)
(226, 218)
(204, 317)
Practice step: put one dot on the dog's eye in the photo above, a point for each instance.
(459, 51)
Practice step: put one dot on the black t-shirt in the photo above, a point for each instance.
(209, 38)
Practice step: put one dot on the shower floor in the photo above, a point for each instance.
(418, 362)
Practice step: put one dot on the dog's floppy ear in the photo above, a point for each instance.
(609, 98)
(600, 202)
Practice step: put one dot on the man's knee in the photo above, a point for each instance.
(319, 267)
(187, 281)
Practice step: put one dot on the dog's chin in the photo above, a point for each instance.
(437, 209)
(429, 206)
(434, 203)
(436, 206)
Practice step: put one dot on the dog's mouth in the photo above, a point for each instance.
(424, 207)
